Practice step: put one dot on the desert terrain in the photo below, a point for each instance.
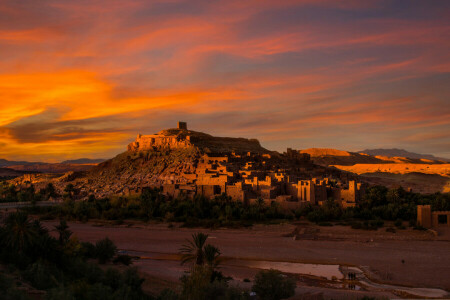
(423, 178)
(400, 168)
(407, 258)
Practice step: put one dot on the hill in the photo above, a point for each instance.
(394, 152)
(327, 157)
(10, 173)
(183, 138)
(188, 161)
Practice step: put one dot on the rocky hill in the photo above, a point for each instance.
(132, 170)
(164, 157)
(182, 138)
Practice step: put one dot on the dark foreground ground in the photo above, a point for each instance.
(408, 257)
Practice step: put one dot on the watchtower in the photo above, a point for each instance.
(182, 125)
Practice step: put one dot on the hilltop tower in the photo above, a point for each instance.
(182, 125)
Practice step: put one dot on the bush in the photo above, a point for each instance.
(325, 224)
(88, 250)
(390, 229)
(105, 250)
(41, 275)
(356, 225)
(123, 259)
(419, 227)
(273, 285)
(168, 294)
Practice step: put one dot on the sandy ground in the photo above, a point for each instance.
(426, 259)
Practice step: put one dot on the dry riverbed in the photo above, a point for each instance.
(387, 264)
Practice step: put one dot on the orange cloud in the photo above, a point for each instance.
(71, 71)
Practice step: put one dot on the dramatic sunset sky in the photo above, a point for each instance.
(82, 78)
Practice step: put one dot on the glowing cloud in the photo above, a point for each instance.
(82, 78)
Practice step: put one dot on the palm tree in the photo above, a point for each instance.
(212, 254)
(64, 232)
(19, 234)
(194, 249)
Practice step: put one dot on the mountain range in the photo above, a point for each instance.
(81, 164)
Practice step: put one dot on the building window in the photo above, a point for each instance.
(442, 219)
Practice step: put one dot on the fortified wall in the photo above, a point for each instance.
(169, 139)
(181, 137)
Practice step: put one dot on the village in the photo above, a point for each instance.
(248, 176)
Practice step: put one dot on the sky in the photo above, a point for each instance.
(83, 78)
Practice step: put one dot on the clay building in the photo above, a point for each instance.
(432, 219)
(349, 196)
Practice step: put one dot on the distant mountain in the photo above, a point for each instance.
(401, 153)
(43, 167)
(84, 161)
(7, 163)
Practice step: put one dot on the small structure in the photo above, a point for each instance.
(429, 219)
(182, 125)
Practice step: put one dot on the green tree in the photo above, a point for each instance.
(273, 285)
(196, 284)
(50, 191)
(105, 250)
(70, 190)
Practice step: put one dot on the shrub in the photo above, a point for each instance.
(41, 275)
(419, 227)
(168, 294)
(357, 225)
(88, 250)
(123, 259)
(105, 250)
(325, 224)
(273, 285)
